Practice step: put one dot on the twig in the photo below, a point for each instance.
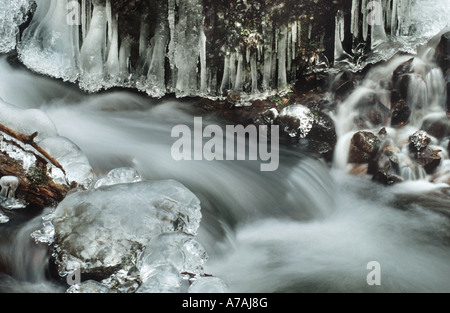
(29, 140)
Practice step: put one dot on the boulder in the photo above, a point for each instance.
(419, 141)
(437, 126)
(400, 113)
(364, 146)
(428, 159)
(443, 52)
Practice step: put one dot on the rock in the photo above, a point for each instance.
(322, 138)
(359, 170)
(400, 113)
(443, 52)
(296, 121)
(343, 85)
(384, 168)
(437, 126)
(428, 159)
(419, 141)
(400, 81)
(363, 147)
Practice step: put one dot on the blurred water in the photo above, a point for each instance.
(302, 228)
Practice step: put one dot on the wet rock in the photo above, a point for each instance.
(359, 170)
(296, 121)
(437, 126)
(384, 168)
(400, 81)
(363, 147)
(322, 138)
(428, 159)
(343, 85)
(443, 52)
(419, 141)
(400, 113)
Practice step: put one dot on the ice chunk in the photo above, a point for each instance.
(123, 281)
(103, 228)
(162, 279)
(121, 175)
(181, 251)
(209, 285)
(69, 155)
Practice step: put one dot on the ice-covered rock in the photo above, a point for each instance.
(419, 141)
(296, 120)
(103, 229)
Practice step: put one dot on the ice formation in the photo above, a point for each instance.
(203, 48)
(28, 121)
(121, 175)
(101, 228)
(9, 185)
(12, 15)
(138, 235)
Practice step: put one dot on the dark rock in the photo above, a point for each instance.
(438, 127)
(385, 166)
(387, 178)
(343, 85)
(363, 147)
(322, 138)
(429, 159)
(400, 81)
(372, 110)
(419, 141)
(400, 113)
(443, 52)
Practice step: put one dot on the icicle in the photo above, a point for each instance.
(254, 73)
(365, 24)
(203, 69)
(112, 63)
(339, 36)
(92, 55)
(294, 39)
(226, 75)
(378, 34)
(354, 27)
(86, 15)
(233, 69)
(239, 74)
(282, 79)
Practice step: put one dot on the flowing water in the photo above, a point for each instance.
(302, 228)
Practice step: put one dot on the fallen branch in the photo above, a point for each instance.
(29, 140)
